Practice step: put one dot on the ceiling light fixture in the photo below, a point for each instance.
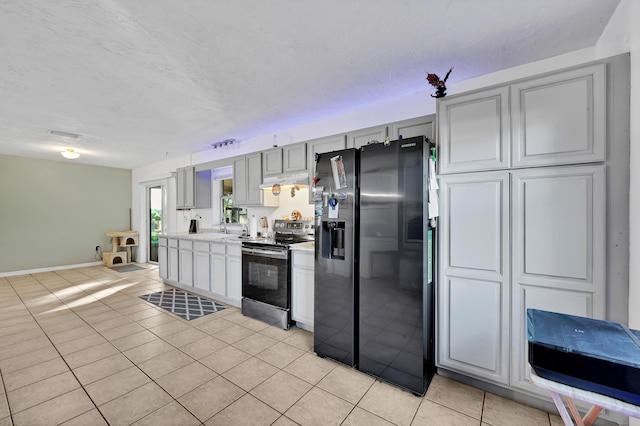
(70, 154)
(225, 142)
(64, 134)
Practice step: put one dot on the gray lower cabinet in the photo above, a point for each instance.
(163, 259)
(185, 261)
(302, 289)
(512, 240)
(218, 268)
(211, 268)
(173, 261)
(559, 249)
(473, 290)
(234, 272)
(201, 265)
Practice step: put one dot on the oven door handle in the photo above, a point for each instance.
(266, 253)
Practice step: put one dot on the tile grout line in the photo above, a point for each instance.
(59, 354)
(62, 357)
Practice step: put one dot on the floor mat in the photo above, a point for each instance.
(126, 268)
(185, 305)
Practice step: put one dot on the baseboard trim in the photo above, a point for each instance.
(48, 269)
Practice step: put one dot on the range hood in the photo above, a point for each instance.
(299, 179)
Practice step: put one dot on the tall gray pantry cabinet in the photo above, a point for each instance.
(533, 194)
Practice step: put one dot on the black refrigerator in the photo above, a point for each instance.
(373, 288)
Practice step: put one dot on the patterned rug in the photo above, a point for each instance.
(185, 305)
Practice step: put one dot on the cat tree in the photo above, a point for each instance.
(120, 239)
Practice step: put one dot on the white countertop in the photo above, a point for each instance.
(204, 236)
(308, 246)
(228, 238)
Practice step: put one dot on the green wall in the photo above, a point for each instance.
(54, 213)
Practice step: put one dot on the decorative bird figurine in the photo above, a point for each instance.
(441, 88)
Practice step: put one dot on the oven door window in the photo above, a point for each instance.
(265, 279)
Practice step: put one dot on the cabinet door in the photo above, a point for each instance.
(559, 255)
(240, 182)
(172, 272)
(302, 287)
(272, 162)
(185, 267)
(163, 259)
(234, 278)
(189, 174)
(421, 126)
(218, 274)
(560, 119)
(319, 146)
(201, 268)
(295, 158)
(254, 179)
(180, 188)
(362, 137)
(474, 131)
(473, 289)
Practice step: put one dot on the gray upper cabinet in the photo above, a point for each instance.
(364, 136)
(318, 146)
(560, 119)
(294, 158)
(193, 189)
(240, 181)
(247, 178)
(272, 162)
(420, 126)
(473, 289)
(474, 131)
(559, 249)
(287, 159)
(254, 179)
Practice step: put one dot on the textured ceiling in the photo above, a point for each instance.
(144, 79)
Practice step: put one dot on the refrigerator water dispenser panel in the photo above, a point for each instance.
(333, 240)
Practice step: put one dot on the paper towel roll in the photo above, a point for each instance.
(253, 227)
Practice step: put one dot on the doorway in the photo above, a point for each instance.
(155, 201)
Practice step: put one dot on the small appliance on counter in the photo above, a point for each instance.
(193, 226)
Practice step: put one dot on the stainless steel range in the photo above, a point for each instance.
(266, 272)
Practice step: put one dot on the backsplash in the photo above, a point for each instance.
(210, 218)
(287, 205)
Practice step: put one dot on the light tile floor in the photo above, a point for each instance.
(79, 347)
